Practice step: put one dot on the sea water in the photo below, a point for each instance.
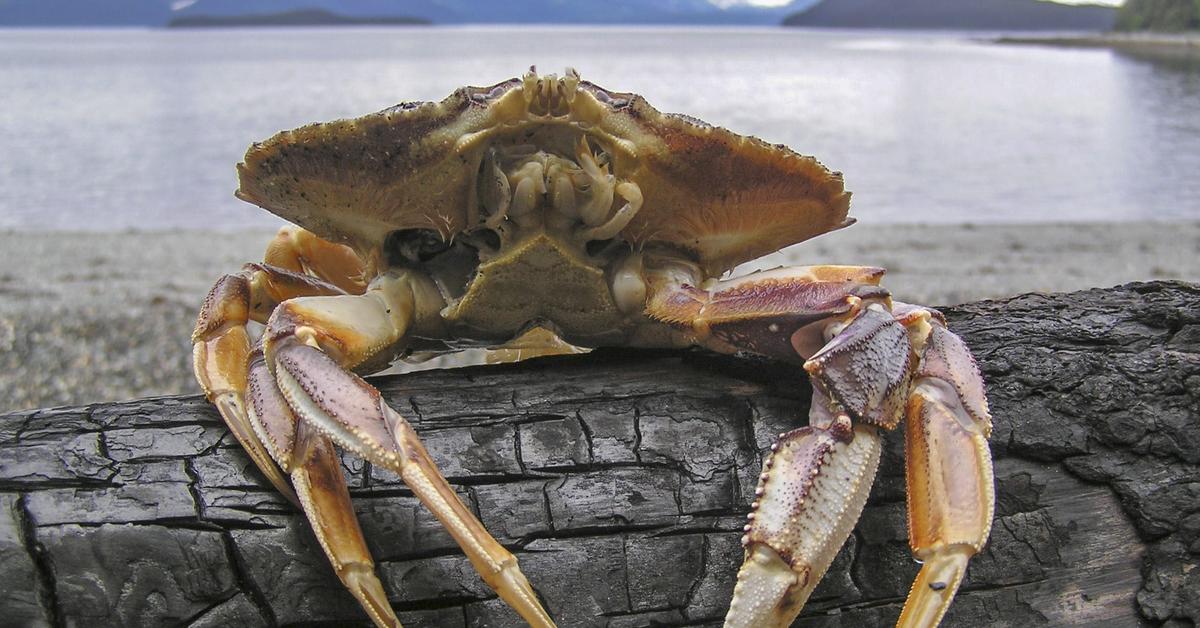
(116, 130)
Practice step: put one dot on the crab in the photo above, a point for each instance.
(549, 208)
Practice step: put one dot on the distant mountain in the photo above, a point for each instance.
(299, 17)
(159, 12)
(84, 12)
(519, 11)
(431, 10)
(998, 15)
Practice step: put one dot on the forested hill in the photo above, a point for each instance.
(302, 17)
(1159, 15)
(1005, 15)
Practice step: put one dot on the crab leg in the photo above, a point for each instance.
(301, 251)
(864, 363)
(310, 461)
(949, 467)
(816, 480)
(814, 490)
(221, 345)
(310, 342)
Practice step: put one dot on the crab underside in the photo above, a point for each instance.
(547, 213)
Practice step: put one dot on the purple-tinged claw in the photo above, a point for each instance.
(815, 484)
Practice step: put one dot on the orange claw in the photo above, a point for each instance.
(310, 343)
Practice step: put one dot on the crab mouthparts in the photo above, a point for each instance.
(523, 189)
(549, 95)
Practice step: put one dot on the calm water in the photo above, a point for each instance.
(131, 129)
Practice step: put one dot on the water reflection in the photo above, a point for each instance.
(1186, 62)
(1162, 98)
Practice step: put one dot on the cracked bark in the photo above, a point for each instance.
(621, 481)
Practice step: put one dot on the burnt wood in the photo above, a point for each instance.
(621, 480)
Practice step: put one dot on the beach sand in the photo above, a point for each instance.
(86, 318)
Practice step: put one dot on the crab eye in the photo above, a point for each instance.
(413, 246)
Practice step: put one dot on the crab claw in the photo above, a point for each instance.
(872, 362)
(811, 492)
(221, 345)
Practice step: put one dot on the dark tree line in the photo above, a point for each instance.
(1159, 15)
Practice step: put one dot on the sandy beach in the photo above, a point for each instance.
(100, 317)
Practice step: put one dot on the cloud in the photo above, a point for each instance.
(180, 5)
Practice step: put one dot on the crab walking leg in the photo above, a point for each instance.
(312, 464)
(310, 344)
(221, 344)
(949, 467)
(301, 251)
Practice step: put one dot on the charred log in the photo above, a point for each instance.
(621, 480)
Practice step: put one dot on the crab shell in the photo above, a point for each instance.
(721, 197)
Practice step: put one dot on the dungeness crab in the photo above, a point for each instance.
(550, 203)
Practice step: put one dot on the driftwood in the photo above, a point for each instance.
(621, 481)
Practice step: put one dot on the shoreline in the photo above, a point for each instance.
(1162, 44)
(88, 317)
